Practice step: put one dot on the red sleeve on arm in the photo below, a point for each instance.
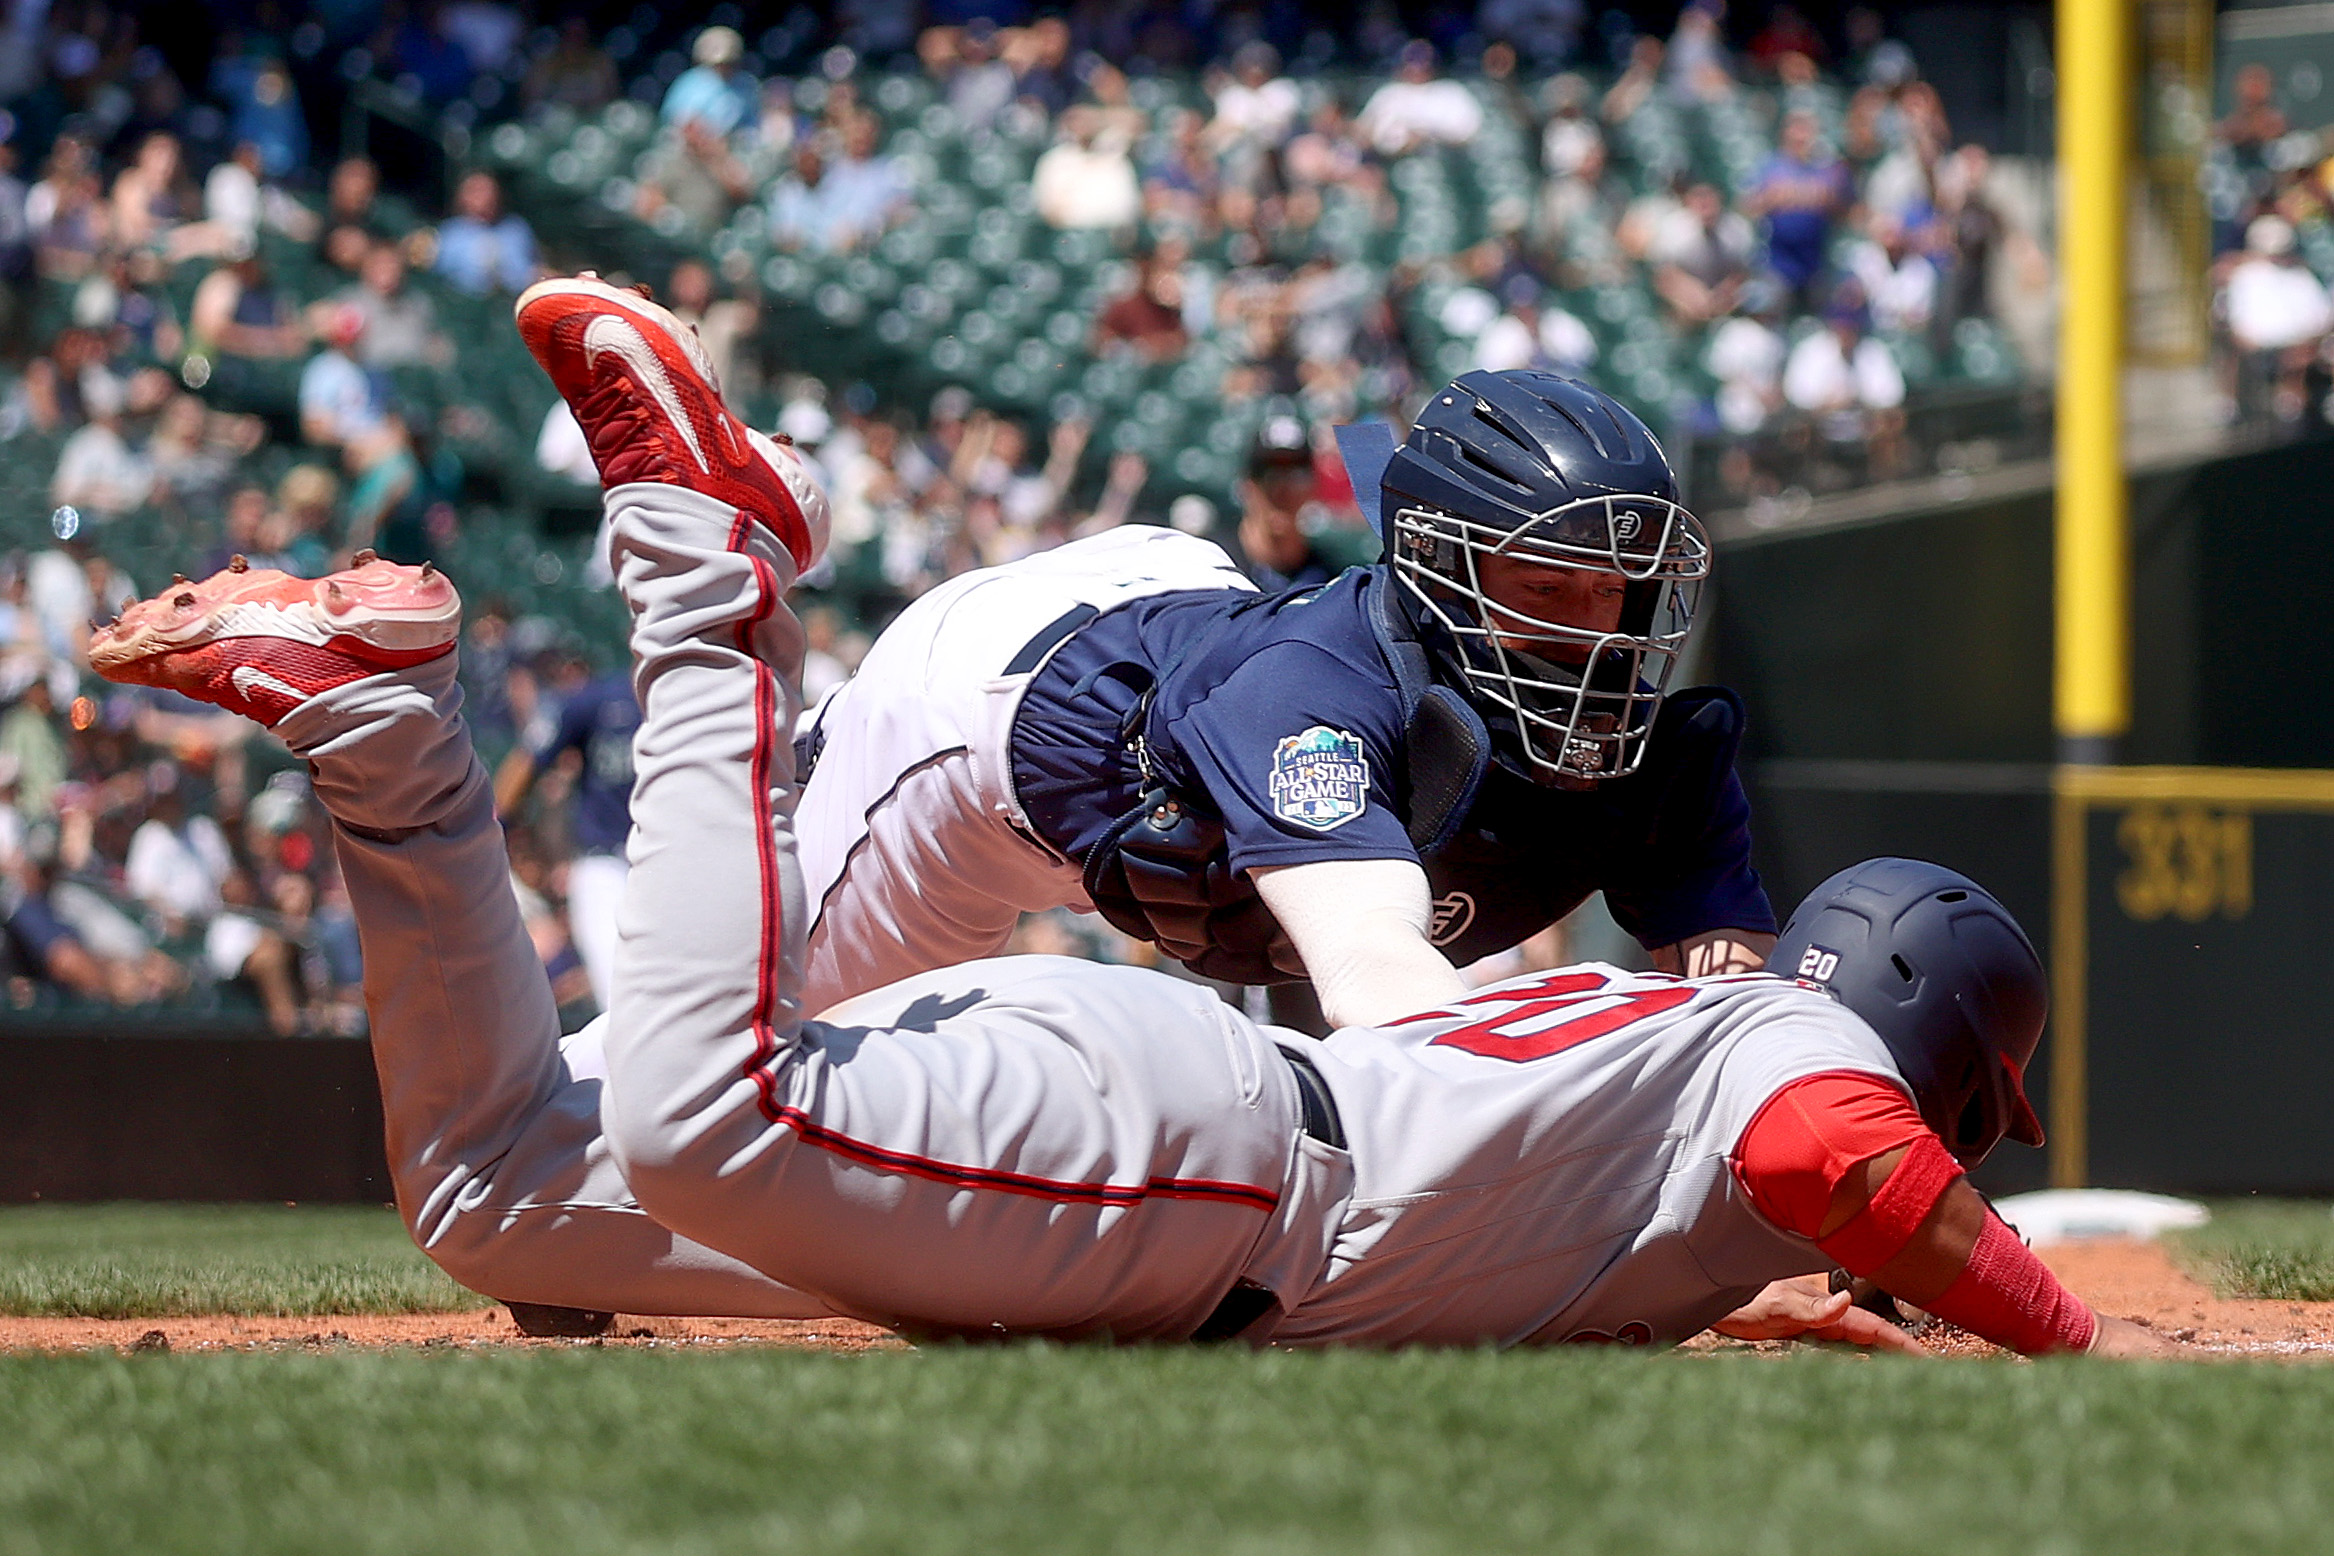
(1811, 1134)
(2007, 1295)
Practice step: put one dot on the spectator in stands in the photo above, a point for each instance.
(1636, 83)
(976, 84)
(1570, 136)
(97, 471)
(724, 326)
(715, 93)
(400, 324)
(1085, 178)
(237, 199)
(1039, 57)
(1146, 319)
(1973, 234)
(575, 73)
(15, 225)
(244, 330)
(1799, 193)
(239, 948)
(45, 947)
(2255, 122)
(424, 49)
(1270, 542)
(1899, 278)
(694, 172)
(1746, 356)
(1696, 56)
(264, 109)
(1256, 112)
(241, 529)
(1786, 32)
(352, 199)
(153, 195)
(1416, 109)
(867, 187)
(340, 403)
(176, 861)
(32, 750)
(803, 211)
(387, 498)
(193, 452)
(594, 731)
(1531, 333)
(1849, 382)
(297, 532)
(2278, 315)
(1701, 254)
(70, 224)
(481, 248)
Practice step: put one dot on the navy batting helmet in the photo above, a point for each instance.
(1509, 474)
(1944, 974)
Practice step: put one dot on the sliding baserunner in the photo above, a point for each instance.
(1038, 1146)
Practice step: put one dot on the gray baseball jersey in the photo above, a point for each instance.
(1030, 1145)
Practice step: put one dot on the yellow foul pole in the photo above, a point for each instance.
(2092, 694)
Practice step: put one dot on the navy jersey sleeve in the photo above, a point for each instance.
(1297, 749)
(1694, 872)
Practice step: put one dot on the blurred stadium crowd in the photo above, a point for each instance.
(1006, 290)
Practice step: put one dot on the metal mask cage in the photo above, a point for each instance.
(1582, 712)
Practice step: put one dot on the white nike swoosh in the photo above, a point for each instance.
(607, 333)
(248, 679)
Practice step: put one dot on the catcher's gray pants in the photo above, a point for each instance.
(1029, 1145)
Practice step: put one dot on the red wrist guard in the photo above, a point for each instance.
(1878, 1232)
(2006, 1295)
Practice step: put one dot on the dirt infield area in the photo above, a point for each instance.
(2136, 1280)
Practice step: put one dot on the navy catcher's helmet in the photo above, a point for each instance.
(1530, 467)
(1942, 972)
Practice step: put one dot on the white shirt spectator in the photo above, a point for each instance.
(177, 873)
(98, 471)
(1558, 342)
(1403, 114)
(1089, 184)
(2274, 305)
(231, 199)
(1902, 292)
(1821, 375)
(1746, 357)
(1708, 253)
(1264, 113)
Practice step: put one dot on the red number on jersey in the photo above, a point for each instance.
(1550, 1016)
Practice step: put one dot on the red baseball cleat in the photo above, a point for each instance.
(260, 643)
(644, 392)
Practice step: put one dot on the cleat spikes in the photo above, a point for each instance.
(429, 569)
(239, 563)
(185, 600)
(365, 558)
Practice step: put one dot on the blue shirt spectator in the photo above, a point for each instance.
(1800, 192)
(865, 187)
(804, 213)
(264, 109)
(480, 249)
(714, 92)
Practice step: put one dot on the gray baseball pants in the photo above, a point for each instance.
(1028, 1145)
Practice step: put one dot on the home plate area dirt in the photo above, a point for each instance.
(2135, 1280)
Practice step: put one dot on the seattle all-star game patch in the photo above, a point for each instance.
(1320, 778)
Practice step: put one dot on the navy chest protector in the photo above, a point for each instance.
(1161, 872)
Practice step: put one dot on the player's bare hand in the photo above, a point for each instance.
(2121, 1338)
(1806, 1308)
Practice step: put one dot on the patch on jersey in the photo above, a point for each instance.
(1320, 779)
(1452, 916)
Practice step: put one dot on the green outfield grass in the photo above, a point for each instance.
(161, 1261)
(1030, 1450)
(2282, 1249)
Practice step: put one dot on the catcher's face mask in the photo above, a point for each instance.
(1571, 624)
